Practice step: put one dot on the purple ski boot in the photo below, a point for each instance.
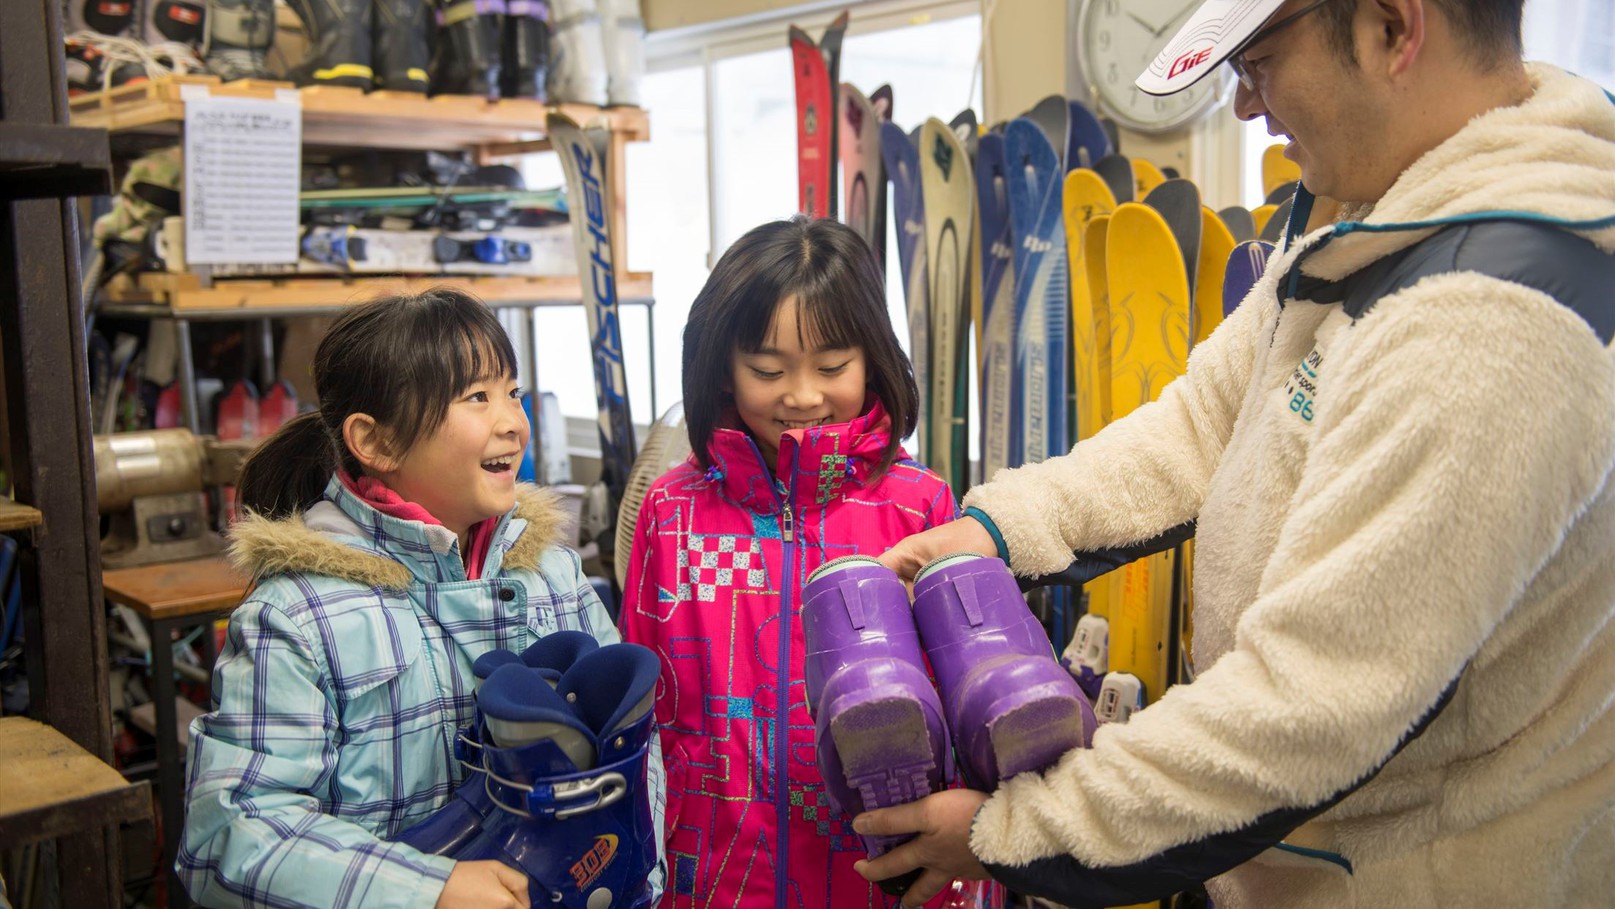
(1011, 707)
(878, 722)
(454, 825)
(566, 769)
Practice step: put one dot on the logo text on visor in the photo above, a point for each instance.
(1189, 61)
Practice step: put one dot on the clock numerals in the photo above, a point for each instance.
(1119, 40)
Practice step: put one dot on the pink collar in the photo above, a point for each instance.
(381, 497)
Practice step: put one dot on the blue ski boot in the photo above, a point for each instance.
(566, 768)
(456, 823)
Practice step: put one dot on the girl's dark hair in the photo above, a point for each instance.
(841, 302)
(402, 360)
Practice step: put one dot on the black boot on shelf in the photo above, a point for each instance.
(400, 44)
(239, 34)
(526, 50)
(339, 49)
(465, 60)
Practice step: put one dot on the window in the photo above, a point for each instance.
(722, 159)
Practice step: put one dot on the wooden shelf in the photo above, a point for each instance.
(14, 516)
(184, 295)
(334, 116)
(50, 787)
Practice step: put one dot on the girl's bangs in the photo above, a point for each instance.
(821, 323)
(477, 354)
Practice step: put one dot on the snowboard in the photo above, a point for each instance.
(816, 66)
(484, 208)
(968, 132)
(1277, 170)
(947, 188)
(1043, 308)
(1146, 176)
(1041, 289)
(489, 250)
(1216, 244)
(1052, 115)
(863, 184)
(1178, 202)
(881, 101)
(1117, 172)
(1086, 197)
(998, 305)
(1086, 139)
(1239, 222)
(1278, 220)
(374, 250)
(1260, 215)
(902, 161)
(1150, 313)
(1105, 591)
(1245, 265)
(583, 153)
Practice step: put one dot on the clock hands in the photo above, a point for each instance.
(1147, 27)
(1175, 19)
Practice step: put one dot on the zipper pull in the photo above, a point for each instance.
(786, 522)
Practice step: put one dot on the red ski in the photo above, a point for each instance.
(816, 67)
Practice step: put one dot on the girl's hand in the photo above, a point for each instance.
(964, 535)
(484, 885)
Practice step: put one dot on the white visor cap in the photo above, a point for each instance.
(1212, 35)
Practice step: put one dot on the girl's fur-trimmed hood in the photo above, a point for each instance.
(261, 546)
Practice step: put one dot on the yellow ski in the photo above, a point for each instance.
(1150, 335)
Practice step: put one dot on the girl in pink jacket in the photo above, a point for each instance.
(796, 395)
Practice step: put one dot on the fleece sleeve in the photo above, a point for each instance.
(1449, 461)
(255, 834)
(1143, 474)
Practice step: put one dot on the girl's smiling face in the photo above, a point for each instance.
(792, 382)
(465, 472)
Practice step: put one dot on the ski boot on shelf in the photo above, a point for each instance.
(1011, 706)
(339, 46)
(182, 21)
(109, 17)
(465, 58)
(623, 34)
(398, 45)
(239, 34)
(566, 769)
(882, 739)
(458, 822)
(526, 58)
(577, 54)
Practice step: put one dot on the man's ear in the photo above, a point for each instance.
(368, 442)
(1399, 33)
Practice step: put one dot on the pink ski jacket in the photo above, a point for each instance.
(718, 563)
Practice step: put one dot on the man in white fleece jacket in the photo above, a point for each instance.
(1404, 591)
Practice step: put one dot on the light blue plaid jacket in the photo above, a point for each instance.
(344, 678)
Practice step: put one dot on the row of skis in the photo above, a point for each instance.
(1059, 281)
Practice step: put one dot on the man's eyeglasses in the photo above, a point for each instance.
(1237, 58)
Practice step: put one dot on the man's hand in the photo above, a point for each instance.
(942, 847)
(913, 553)
(484, 885)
